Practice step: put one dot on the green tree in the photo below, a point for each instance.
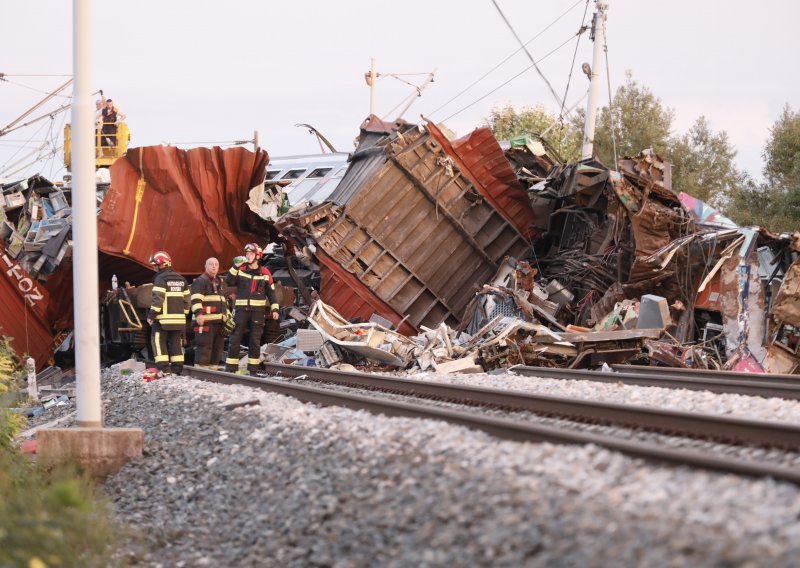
(639, 121)
(751, 203)
(782, 152)
(506, 123)
(775, 203)
(702, 163)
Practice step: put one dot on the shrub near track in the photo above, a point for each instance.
(47, 518)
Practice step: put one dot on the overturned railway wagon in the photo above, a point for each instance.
(418, 236)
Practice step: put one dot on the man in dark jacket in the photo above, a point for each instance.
(167, 315)
(254, 286)
(208, 307)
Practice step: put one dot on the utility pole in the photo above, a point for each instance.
(84, 226)
(255, 140)
(598, 36)
(372, 81)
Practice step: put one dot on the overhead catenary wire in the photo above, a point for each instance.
(493, 69)
(528, 68)
(4, 80)
(525, 49)
(572, 65)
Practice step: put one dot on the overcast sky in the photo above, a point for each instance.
(203, 72)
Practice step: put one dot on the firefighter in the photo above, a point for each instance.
(254, 286)
(167, 316)
(208, 308)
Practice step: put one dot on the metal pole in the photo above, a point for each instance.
(421, 88)
(84, 225)
(598, 35)
(255, 140)
(373, 80)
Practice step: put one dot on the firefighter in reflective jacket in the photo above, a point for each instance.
(254, 286)
(167, 316)
(208, 308)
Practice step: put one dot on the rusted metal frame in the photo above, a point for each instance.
(446, 206)
(400, 263)
(374, 260)
(358, 251)
(385, 275)
(413, 145)
(328, 229)
(428, 152)
(400, 286)
(431, 306)
(458, 174)
(345, 239)
(447, 215)
(414, 298)
(510, 243)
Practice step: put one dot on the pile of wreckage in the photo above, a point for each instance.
(457, 255)
(476, 258)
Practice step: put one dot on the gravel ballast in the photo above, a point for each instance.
(289, 484)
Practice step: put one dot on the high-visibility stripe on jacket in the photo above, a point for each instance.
(207, 298)
(170, 303)
(254, 286)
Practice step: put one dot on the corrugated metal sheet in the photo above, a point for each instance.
(24, 313)
(192, 205)
(413, 229)
(480, 157)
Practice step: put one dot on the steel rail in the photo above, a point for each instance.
(762, 387)
(500, 427)
(727, 375)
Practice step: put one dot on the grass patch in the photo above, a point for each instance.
(47, 518)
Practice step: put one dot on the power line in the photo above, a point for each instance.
(4, 80)
(528, 68)
(572, 65)
(522, 45)
(490, 71)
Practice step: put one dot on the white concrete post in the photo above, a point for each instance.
(598, 32)
(373, 85)
(84, 224)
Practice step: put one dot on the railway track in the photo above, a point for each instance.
(707, 373)
(780, 386)
(739, 431)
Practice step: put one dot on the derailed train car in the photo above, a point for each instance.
(195, 203)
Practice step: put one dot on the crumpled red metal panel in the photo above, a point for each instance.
(24, 313)
(479, 156)
(192, 206)
(345, 293)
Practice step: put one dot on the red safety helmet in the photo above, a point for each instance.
(161, 259)
(253, 247)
